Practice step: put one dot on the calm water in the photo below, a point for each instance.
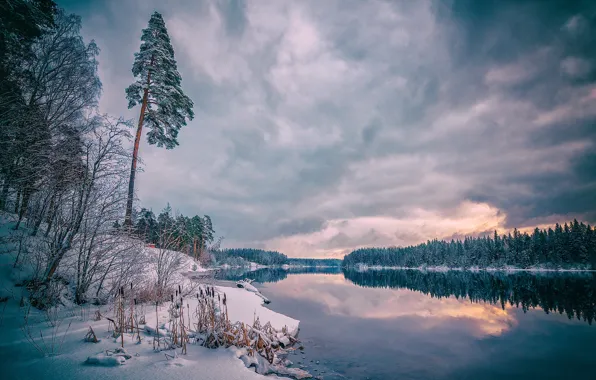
(454, 325)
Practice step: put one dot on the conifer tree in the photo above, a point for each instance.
(164, 106)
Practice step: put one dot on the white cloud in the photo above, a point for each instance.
(415, 226)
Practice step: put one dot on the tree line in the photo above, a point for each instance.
(272, 258)
(308, 262)
(275, 274)
(189, 234)
(572, 245)
(254, 255)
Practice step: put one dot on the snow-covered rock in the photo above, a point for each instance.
(247, 285)
(106, 360)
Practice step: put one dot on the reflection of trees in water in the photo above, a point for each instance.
(271, 274)
(572, 294)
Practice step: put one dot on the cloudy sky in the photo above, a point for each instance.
(326, 125)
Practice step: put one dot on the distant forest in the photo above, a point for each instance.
(275, 274)
(315, 262)
(573, 295)
(263, 257)
(570, 245)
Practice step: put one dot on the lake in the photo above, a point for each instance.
(408, 324)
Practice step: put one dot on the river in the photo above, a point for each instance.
(408, 324)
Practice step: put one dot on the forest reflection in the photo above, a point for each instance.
(572, 294)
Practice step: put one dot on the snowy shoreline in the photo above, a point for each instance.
(363, 267)
(72, 352)
(50, 344)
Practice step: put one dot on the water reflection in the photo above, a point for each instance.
(572, 294)
(338, 297)
(415, 325)
(491, 293)
(264, 275)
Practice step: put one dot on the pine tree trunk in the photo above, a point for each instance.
(17, 202)
(51, 213)
(39, 219)
(135, 152)
(4, 194)
(24, 205)
(52, 270)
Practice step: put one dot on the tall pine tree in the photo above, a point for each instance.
(164, 107)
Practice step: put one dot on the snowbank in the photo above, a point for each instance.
(361, 267)
(243, 306)
(102, 361)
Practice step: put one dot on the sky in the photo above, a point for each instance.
(324, 126)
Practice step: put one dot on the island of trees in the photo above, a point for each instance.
(568, 246)
(269, 258)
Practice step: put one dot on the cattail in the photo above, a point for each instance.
(135, 301)
(218, 298)
(131, 286)
(172, 297)
(179, 289)
(176, 293)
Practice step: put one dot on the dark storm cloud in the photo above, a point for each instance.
(300, 226)
(557, 45)
(233, 12)
(391, 116)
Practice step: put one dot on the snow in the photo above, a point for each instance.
(76, 358)
(62, 352)
(249, 287)
(263, 367)
(105, 360)
(243, 306)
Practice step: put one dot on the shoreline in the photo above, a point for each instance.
(364, 268)
(144, 362)
(59, 348)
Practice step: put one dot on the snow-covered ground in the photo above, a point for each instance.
(67, 352)
(50, 345)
